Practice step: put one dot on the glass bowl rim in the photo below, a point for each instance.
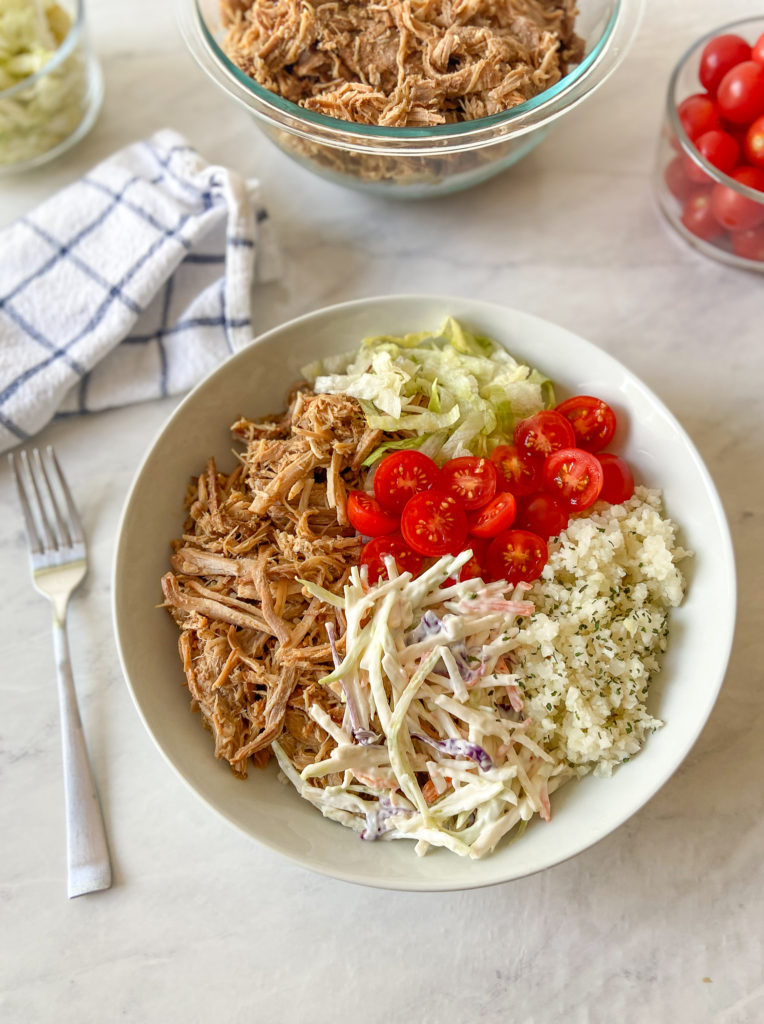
(673, 116)
(537, 105)
(62, 51)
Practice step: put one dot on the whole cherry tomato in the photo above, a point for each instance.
(757, 53)
(734, 211)
(754, 143)
(719, 56)
(698, 217)
(677, 182)
(719, 148)
(698, 114)
(740, 95)
(749, 244)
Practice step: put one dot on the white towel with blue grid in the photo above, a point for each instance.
(130, 284)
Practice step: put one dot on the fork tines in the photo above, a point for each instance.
(50, 516)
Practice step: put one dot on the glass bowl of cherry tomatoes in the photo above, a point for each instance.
(709, 174)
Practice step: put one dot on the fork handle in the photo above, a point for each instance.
(88, 866)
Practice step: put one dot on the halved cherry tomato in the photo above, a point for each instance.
(698, 217)
(719, 56)
(593, 421)
(494, 517)
(517, 473)
(698, 114)
(754, 143)
(367, 515)
(749, 244)
(574, 477)
(543, 433)
(740, 96)
(372, 556)
(542, 514)
(618, 480)
(477, 564)
(434, 523)
(733, 210)
(401, 475)
(470, 479)
(517, 555)
(719, 148)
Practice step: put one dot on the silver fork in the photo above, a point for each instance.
(59, 562)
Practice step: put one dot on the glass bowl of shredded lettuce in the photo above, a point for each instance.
(50, 81)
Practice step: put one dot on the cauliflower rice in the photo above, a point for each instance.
(590, 650)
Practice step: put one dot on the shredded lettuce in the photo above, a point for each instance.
(459, 393)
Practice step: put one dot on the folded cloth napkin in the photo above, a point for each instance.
(130, 284)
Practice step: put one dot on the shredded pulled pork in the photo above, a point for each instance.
(403, 62)
(252, 642)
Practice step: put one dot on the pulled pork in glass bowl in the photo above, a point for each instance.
(408, 98)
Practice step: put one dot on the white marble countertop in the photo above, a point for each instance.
(661, 921)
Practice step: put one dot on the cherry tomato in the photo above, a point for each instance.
(367, 515)
(719, 148)
(517, 473)
(470, 479)
(754, 143)
(618, 480)
(434, 523)
(677, 182)
(593, 421)
(372, 556)
(517, 555)
(542, 514)
(543, 433)
(698, 217)
(735, 211)
(740, 95)
(749, 244)
(494, 517)
(698, 114)
(574, 477)
(477, 564)
(757, 53)
(719, 56)
(401, 475)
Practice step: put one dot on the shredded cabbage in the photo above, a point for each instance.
(36, 118)
(475, 391)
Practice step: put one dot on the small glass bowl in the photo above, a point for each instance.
(49, 111)
(415, 162)
(680, 195)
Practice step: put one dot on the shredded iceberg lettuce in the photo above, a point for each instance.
(458, 392)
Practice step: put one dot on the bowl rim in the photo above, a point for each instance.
(672, 109)
(605, 56)
(726, 620)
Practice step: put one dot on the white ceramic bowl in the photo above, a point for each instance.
(254, 383)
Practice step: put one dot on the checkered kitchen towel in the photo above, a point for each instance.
(130, 284)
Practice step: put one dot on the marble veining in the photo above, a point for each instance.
(661, 921)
